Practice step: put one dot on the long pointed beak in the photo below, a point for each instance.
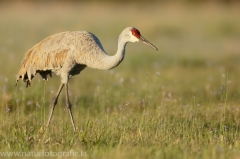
(143, 40)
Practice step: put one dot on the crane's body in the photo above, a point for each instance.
(68, 53)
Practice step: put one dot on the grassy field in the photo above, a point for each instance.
(180, 102)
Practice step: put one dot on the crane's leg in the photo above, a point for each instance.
(69, 106)
(55, 99)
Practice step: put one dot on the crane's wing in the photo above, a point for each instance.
(43, 57)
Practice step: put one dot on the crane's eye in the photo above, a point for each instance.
(136, 33)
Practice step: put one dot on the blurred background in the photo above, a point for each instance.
(198, 42)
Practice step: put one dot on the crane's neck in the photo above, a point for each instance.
(115, 60)
(101, 60)
(109, 62)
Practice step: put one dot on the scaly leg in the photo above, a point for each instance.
(55, 99)
(69, 106)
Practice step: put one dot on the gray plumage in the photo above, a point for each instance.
(68, 53)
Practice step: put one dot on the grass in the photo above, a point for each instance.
(179, 102)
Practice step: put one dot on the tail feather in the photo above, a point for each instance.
(48, 54)
(30, 66)
(27, 77)
(28, 69)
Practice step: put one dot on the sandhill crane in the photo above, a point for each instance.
(68, 53)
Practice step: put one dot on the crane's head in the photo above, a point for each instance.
(133, 35)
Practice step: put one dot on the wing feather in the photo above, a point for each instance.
(42, 58)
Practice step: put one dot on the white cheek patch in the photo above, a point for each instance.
(134, 39)
(127, 36)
